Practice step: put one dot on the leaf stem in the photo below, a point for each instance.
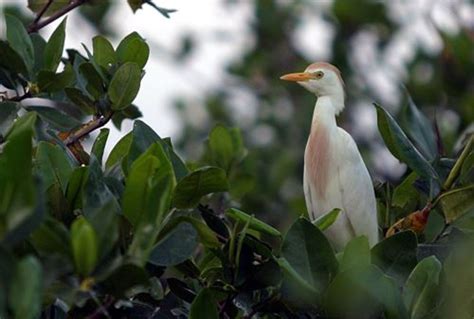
(453, 174)
(37, 24)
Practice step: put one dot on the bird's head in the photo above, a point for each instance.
(320, 78)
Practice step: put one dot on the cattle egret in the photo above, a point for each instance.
(335, 175)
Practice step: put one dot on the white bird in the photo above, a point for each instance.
(335, 175)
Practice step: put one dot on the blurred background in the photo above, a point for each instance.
(219, 61)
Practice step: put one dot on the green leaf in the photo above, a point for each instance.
(104, 220)
(177, 246)
(50, 82)
(51, 237)
(325, 221)
(74, 190)
(37, 5)
(94, 86)
(53, 165)
(96, 192)
(299, 283)
(356, 254)
(119, 151)
(221, 147)
(135, 4)
(103, 52)
(26, 289)
(419, 129)
(457, 202)
(39, 45)
(81, 100)
(401, 147)
(204, 306)
(199, 183)
(405, 192)
(308, 251)
(364, 290)
(8, 112)
(54, 48)
(133, 49)
(254, 224)
(99, 144)
(19, 40)
(12, 60)
(396, 255)
(421, 291)
(57, 119)
(124, 85)
(84, 245)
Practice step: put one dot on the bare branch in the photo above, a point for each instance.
(37, 25)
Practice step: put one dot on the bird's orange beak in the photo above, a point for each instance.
(297, 77)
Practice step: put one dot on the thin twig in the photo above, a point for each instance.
(87, 129)
(37, 25)
(43, 11)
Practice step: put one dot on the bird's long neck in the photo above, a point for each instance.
(325, 113)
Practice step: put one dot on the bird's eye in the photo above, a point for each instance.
(318, 74)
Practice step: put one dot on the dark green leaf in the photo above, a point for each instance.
(53, 165)
(12, 60)
(254, 223)
(99, 144)
(51, 237)
(325, 221)
(124, 278)
(20, 40)
(356, 254)
(94, 85)
(54, 48)
(80, 99)
(308, 251)
(26, 289)
(130, 112)
(419, 129)
(135, 4)
(457, 202)
(396, 255)
(74, 190)
(177, 246)
(405, 192)
(104, 53)
(49, 81)
(119, 151)
(84, 245)
(365, 291)
(57, 119)
(39, 45)
(104, 220)
(401, 147)
(221, 148)
(37, 5)
(8, 112)
(199, 183)
(124, 85)
(133, 49)
(204, 306)
(421, 291)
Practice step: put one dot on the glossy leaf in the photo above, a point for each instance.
(204, 306)
(254, 223)
(308, 251)
(396, 255)
(401, 147)
(420, 292)
(53, 165)
(26, 289)
(356, 254)
(177, 246)
(133, 49)
(99, 144)
(81, 100)
(457, 202)
(84, 245)
(199, 183)
(124, 85)
(54, 48)
(20, 40)
(325, 221)
(103, 51)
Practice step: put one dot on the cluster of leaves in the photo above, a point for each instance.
(142, 234)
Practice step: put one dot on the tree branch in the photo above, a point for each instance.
(43, 11)
(87, 129)
(37, 25)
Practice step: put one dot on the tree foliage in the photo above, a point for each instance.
(141, 233)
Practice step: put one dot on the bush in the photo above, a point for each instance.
(143, 234)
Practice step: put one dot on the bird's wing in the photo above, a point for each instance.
(357, 192)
